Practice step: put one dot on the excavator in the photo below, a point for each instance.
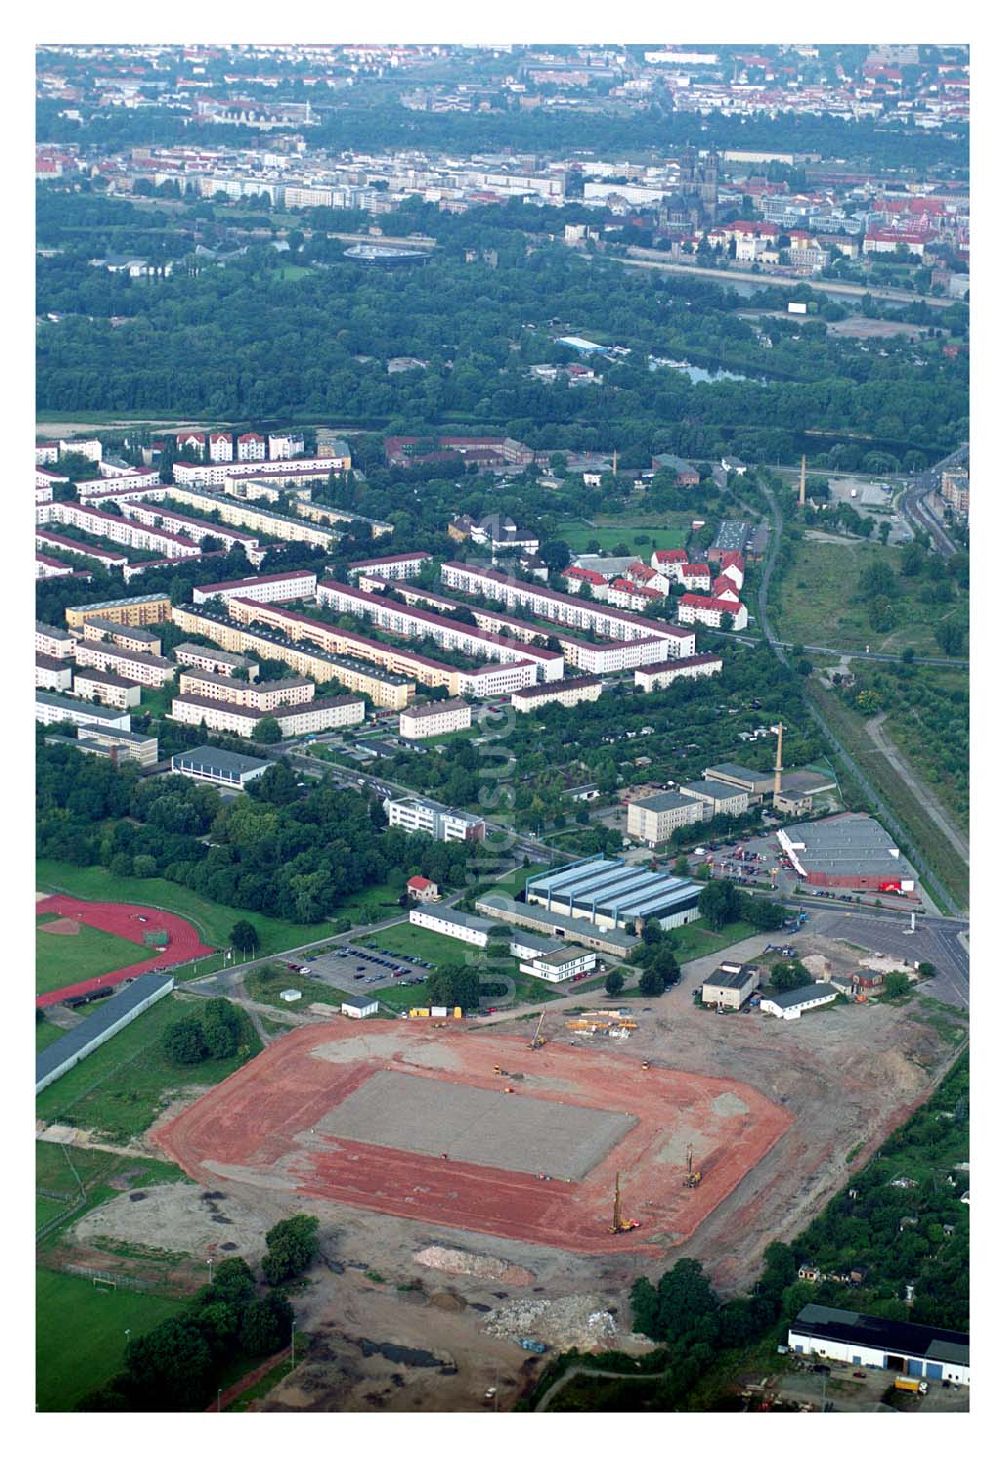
(619, 1224)
(538, 1039)
(692, 1176)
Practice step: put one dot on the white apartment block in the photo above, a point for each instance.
(452, 635)
(220, 446)
(42, 494)
(261, 697)
(192, 656)
(196, 474)
(72, 546)
(616, 625)
(56, 707)
(229, 717)
(258, 520)
(124, 530)
(182, 524)
(663, 673)
(107, 688)
(695, 609)
(51, 641)
(299, 584)
(393, 566)
(568, 694)
(251, 447)
(433, 819)
(46, 453)
(52, 674)
(49, 568)
(135, 666)
(655, 818)
(497, 681)
(119, 481)
(283, 447)
(433, 718)
(153, 493)
(624, 655)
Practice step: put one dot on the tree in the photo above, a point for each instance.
(267, 730)
(897, 985)
(661, 971)
(682, 866)
(950, 636)
(263, 1327)
(184, 1042)
(789, 973)
(651, 930)
(291, 1245)
(614, 983)
(454, 984)
(243, 936)
(555, 554)
(719, 904)
(222, 1026)
(170, 1368)
(926, 969)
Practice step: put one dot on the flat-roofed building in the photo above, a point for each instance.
(655, 818)
(148, 609)
(135, 747)
(567, 693)
(452, 924)
(52, 673)
(572, 962)
(391, 566)
(94, 1029)
(219, 766)
(717, 797)
(664, 673)
(858, 1339)
(555, 926)
(756, 783)
(107, 688)
(612, 893)
(730, 985)
(443, 824)
(230, 717)
(852, 852)
(300, 584)
(52, 707)
(430, 719)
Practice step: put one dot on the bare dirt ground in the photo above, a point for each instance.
(847, 1074)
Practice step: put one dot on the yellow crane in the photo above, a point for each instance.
(538, 1039)
(692, 1176)
(619, 1224)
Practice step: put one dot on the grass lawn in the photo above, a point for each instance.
(292, 273)
(45, 1034)
(694, 940)
(63, 1173)
(120, 1089)
(374, 904)
(817, 602)
(62, 958)
(80, 1334)
(641, 539)
(156, 702)
(271, 979)
(213, 920)
(515, 882)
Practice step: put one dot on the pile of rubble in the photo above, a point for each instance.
(487, 1268)
(567, 1322)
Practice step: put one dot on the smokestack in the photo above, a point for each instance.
(802, 484)
(777, 762)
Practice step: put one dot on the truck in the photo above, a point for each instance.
(533, 1345)
(910, 1386)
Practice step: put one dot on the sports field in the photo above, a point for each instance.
(403, 1120)
(71, 957)
(63, 917)
(639, 539)
(80, 1334)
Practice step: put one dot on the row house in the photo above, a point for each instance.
(127, 531)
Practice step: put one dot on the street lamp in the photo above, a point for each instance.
(210, 1270)
(293, 1342)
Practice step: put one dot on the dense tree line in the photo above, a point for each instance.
(278, 849)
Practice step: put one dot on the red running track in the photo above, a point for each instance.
(122, 919)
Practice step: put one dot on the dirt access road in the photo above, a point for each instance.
(923, 792)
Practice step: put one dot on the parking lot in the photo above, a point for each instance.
(362, 970)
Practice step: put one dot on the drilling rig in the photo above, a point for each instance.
(692, 1176)
(538, 1039)
(620, 1225)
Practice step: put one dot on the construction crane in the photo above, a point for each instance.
(619, 1224)
(538, 1039)
(692, 1176)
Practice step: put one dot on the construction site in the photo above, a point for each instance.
(475, 1131)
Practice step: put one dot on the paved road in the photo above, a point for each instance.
(877, 803)
(959, 662)
(644, 256)
(916, 512)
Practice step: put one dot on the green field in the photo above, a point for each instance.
(71, 1181)
(514, 883)
(80, 1334)
(818, 604)
(65, 958)
(292, 273)
(213, 920)
(120, 1089)
(695, 940)
(267, 989)
(641, 539)
(410, 941)
(45, 1034)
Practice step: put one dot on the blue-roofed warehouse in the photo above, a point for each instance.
(611, 893)
(124, 1007)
